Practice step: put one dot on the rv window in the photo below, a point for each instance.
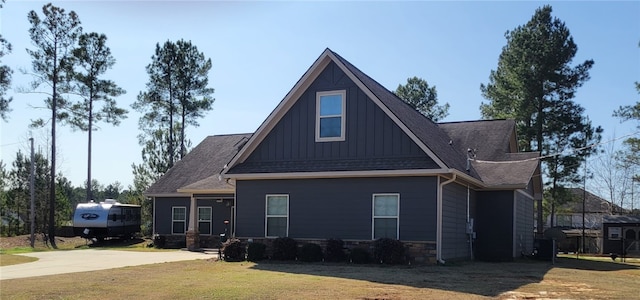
(114, 217)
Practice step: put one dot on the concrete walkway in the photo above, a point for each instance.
(61, 262)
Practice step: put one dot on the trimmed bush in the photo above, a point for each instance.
(284, 248)
(335, 251)
(256, 251)
(360, 256)
(232, 250)
(388, 251)
(310, 253)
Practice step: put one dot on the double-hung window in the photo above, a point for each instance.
(204, 220)
(178, 219)
(386, 208)
(330, 116)
(277, 216)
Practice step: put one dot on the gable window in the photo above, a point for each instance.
(277, 216)
(386, 209)
(204, 220)
(178, 219)
(330, 116)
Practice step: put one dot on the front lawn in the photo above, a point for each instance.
(567, 279)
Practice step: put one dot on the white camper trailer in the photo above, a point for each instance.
(106, 219)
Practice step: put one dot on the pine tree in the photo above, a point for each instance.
(93, 59)
(535, 84)
(54, 37)
(423, 98)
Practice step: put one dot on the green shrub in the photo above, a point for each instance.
(334, 251)
(232, 250)
(388, 251)
(360, 256)
(256, 251)
(284, 248)
(310, 253)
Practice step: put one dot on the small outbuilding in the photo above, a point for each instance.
(621, 235)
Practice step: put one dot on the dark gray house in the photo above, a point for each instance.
(343, 157)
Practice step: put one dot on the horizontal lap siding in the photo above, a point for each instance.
(338, 208)
(369, 131)
(163, 210)
(455, 241)
(524, 224)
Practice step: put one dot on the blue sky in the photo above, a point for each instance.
(260, 49)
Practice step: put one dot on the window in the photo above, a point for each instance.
(615, 233)
(386, 209)
(204, 220)
(277, 219)
(330, 116)
(178, 219)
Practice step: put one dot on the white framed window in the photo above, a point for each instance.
(615, 233)
(386, 216)
(277, 216)
(178, 219)
(204, 220)
(330, 116)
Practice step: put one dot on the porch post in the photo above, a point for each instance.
(193, 236)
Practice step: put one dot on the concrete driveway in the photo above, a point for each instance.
(60, 262)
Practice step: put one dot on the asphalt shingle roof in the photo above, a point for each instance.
(201, 166)
(426, 130)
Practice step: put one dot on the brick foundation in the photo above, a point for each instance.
(416, 252)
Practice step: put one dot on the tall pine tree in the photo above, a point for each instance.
(423, 98)
(535, 84)
(93, 58)
(54, 37)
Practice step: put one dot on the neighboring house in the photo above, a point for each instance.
(343, 157)
(569, 215)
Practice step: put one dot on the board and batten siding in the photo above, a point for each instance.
(369, 132)
(455, 240)
(338, 207)
(524, 224)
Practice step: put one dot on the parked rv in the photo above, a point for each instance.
(106, 219)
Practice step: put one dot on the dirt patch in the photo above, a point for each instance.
(25, 241)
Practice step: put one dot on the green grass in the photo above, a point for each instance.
(567, 279)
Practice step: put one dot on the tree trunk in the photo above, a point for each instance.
(89, 189)
(52, 188)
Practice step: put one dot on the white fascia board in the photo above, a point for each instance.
(161, 195)
(204, 191)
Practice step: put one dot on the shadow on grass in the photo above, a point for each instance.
(478, 278)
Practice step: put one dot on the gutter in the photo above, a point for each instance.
(439, 219)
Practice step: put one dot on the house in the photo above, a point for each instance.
(569, 218)
(343, 157)
(196, 180)
(569, 215)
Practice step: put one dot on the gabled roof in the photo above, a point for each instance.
(592, 203)
(425, 133)
(200, 169)
(493, 144)
(430, 135)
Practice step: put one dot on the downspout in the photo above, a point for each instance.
(439, 218)
(153, 219)
(469, 225)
